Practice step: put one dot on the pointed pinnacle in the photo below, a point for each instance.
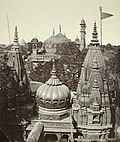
(16, 43)
(59, 28)
(53, 72)
(94, 40)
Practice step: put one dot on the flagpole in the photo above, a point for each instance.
(100, 26)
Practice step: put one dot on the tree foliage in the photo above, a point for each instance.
(68, 66)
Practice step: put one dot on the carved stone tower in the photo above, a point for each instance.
(16, 110)
(94, 113)
(82, 34)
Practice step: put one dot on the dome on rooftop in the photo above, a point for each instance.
(53, 94)
(57, 39)
(52, 40)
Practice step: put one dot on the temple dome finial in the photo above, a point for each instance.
(53, 72)
(94, 40)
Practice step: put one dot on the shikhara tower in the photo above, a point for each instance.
(15, 61)
(94, 113)
(16, 109)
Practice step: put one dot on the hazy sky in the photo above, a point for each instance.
(37, 18)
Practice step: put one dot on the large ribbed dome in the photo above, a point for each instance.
(53, 94)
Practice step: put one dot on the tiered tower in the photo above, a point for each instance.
(17, 103)
(94, 113)
(15, 61)
(82, 34)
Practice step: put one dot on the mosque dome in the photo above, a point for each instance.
(52, 40)
(62, 37)
(53, 94)
(57, 39)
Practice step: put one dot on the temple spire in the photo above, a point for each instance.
(15, 42)
(53, 72)
(94, 40)
(59, 28)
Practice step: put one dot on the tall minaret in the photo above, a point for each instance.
(82, 34)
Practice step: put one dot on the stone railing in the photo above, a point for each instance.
(36, 134)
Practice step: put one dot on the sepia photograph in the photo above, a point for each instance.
(59, 70)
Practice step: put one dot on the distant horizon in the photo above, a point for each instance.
(38, 18)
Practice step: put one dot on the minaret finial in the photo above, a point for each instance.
(82, 34)
(53, 31)
(59, 28)
(16, 43)
(94, 40)
(53, 72)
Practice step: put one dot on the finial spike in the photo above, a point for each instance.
(59, 28)
(94, 40)
(53, 72)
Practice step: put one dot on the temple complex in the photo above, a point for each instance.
(55, 113)
(81, 116)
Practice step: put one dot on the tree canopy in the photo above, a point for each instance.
(68, 66)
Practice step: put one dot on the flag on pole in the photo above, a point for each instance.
(105, 15)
